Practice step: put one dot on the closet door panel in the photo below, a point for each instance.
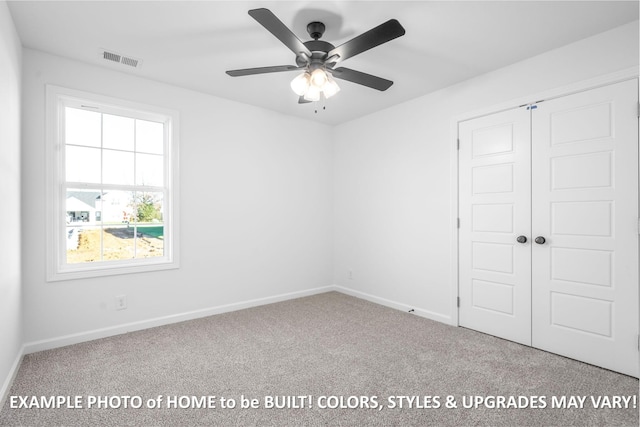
(495, 208)
(585, 205)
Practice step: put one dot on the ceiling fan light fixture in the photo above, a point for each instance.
(300, 84)
(308, 85)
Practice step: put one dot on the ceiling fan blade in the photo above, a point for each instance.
(271, 22)
(301, 100)
(361, 78)
(262, 70)
(370, 39)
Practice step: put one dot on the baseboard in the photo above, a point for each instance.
(34, 346)
(397, 305)
(6, 386)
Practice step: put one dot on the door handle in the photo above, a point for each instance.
(540, 240)
(522, 239)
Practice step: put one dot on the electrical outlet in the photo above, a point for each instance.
(121, 302)
(350, 274)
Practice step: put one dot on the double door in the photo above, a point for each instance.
(548, 238)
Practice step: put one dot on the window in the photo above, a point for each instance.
(112, 183)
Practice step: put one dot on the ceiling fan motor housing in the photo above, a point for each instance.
(319, 50)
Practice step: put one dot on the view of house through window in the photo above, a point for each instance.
(114, 170)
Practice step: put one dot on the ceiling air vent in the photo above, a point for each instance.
(129, 61)
(121, 59)
(111, 56)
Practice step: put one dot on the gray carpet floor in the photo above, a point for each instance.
(324, 345)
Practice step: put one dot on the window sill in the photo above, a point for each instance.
(110, 269)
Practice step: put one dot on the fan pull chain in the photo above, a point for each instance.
(324, 107)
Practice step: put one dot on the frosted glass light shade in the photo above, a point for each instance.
(300, 84)
(318, 78)
(313, 94)
(330, 88)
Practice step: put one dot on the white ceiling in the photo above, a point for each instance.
(191, 44)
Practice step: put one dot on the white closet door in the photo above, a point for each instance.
(585, 206)
(495, 208)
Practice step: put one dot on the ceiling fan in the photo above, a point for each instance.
(317, 58)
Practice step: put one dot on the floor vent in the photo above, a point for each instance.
(116, 57)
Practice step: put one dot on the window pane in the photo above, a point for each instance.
(82, 209)
(150, 214)
(117, 167)
(118, 208)
(149, 207)
(82, 164)
(82, 127)
(149, 137)
(117, 132)
(149, 169)
(83, 244)
(118, 242)
(82, 206)
(118, 220)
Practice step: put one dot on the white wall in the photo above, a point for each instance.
(255, 209)
(392, 175)
(10, 281)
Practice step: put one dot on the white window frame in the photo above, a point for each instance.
(57, 98)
